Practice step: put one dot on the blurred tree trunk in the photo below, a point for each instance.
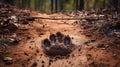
(114, 4)
(104, 3)
(41, 5)
(61, 5)
(119, 6)
(76, 5)
(36, 4)
(52, 6)
(1, 1)
(9, 2)
(95, 4)
(56, 6)
(23, 3)
(28, 3)
(81, 5)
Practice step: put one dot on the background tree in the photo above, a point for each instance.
(81, 5)
(114, 4)
(60, 5)
(76, 4)
(56, 6)
(52, 6)
(9, 2)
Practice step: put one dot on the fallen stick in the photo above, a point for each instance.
(54, 18)
(75, 18)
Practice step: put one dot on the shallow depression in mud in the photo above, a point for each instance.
(78, 40)
(57, 45)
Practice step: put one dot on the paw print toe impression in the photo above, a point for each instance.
(57, 44)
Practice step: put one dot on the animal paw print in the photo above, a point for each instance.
(57, 44)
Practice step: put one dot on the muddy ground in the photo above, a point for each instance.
(92, 48)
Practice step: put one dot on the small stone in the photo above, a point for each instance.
(28, 37)
(79, 49)
(14, 35)
(107, 46)
(65, 30)
(41, 34)
(50, 60)
(101, 46)
(117, 34)
(43, 26)
(34, 64)
(26, 54)
(43, 65)
(8, 60)
(37, 51)
(12, 40)
(28, 59)
(114, 55)
(92, 40)
(89, 56)
(43, 61)
(93, 64)
(117, 41)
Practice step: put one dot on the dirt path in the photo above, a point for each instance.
(29, 52)
(67, 29)
(85, 55)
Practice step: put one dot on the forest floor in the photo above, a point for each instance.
(96, 40)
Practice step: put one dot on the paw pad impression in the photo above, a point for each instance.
(57, 44)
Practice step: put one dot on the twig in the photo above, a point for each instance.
(56, 18)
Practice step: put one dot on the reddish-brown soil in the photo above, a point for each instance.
(89, 51)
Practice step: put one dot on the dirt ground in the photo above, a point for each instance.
(92, 51)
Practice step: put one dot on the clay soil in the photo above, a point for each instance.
(92, 50)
